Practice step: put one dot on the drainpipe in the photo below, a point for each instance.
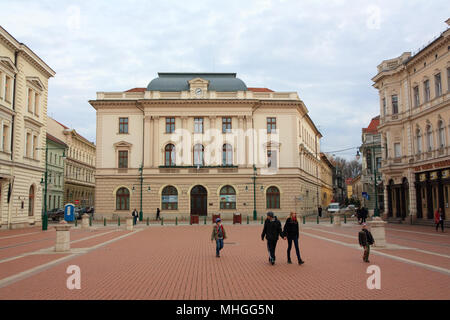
(141, 169)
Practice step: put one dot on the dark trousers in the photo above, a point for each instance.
(219, 246)
(134, 219)
(441, 222)
(366, 252)
(157, 216)
(271, 246)
(297, 250)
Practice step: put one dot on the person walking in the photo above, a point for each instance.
(320, 211)
(439, 219)
(271, 231)
(364, 213)
(291, 232)
(365, 240)
(157, 214)
(134, 214)
(219, 235)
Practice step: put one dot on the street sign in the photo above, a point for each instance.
(69, 212)
(77, 202)
(365, 195)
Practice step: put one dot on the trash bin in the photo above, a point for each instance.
(237, 218)
(214, 217)
(194, 219)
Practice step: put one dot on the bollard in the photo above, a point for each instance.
(261, 220)
(90, 221)
(76, 222)
(118, 221)
(162, 221)
(62, 237)
(148, 221)
(204, 220)
(331, 219)
(176, 221)
(317, 219)
(345, 218)
(104, 222)
(304, 219)
(85, 221)
(248, 220)
(130, 223)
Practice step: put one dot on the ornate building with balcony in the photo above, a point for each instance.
(371, 152)
(202, 144)
(414, 125)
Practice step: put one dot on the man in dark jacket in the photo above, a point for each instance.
(365, 241)
(272, 230)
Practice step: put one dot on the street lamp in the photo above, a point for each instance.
(141, 169)
(254, 193)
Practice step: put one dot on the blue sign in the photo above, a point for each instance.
(365, 195)
(69, 212)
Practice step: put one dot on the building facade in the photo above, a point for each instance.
(79, 176)
(23, 123)
(55, 172)
(326, 180)
(356, 185)
(414, 126)
(204, 144)
(371, 152)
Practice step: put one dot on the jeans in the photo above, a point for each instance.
(219, 246)
(366, 253)
(297, 250)
(134, 219)
(271, 245)
(441, 222)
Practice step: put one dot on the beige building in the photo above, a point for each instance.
(414, 94)
(198, 138)
(23, 121)
(326, 180)
(79, 171)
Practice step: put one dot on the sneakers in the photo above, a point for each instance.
(301, 262)
(272, 261)
(289, 261)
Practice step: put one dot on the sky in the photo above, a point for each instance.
(326, 50)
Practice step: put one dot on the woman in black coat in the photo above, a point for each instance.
(291, 231)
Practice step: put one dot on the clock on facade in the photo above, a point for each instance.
(198, 91)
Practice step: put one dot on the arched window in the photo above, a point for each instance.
(123, 199)
(273, 198)
(170, 155)
(227, 155)
(441, 134)
(31, 201)
(429, 138)
(198, 155)
(170, 198)
(419, 141)
(227, 198)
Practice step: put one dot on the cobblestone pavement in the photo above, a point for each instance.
(178, 262)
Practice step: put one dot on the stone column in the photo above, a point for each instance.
(156, 146)
(240, 158)
(129, 224)
(249, 143)
(85, 221)
(62, 237)
(148, 136)
(337, 218)
(412, 196)
(378, 232)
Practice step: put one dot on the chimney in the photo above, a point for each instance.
(447, 21)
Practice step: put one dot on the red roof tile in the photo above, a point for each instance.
(373, 126)
(137, 90)
(260, 89)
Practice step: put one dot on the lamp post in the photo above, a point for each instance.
(376, 212)
(254, 193)
(45, 183)
(141, 169)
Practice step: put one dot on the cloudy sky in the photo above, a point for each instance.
(325, 50)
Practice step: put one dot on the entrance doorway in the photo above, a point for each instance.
(199, 201)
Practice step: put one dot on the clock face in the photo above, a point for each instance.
(198, 91)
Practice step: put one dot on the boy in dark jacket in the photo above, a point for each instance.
(365, 241)
(272, 230)
(218, 234)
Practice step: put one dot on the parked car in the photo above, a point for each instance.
(56, 214)
(333, 207)
(79, 211)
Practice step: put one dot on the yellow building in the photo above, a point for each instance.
(198, 138)
(23, 121)
(79, 180)
(326, 180)
(414, 92)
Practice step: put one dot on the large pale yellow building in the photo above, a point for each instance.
(198, 140)
(326, 179)
(23, 121)
(414, 94)
(79, 169)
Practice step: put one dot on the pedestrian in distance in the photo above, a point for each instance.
(219, 235)
(365, 241)
(272, 231)
(134, 214)
(439, 219)
(358, 215)
(320, 211)
(157, 214)
(364, 213)
(291, 232)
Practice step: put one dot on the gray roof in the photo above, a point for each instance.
(175, 81)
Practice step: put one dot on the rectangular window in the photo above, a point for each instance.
(448, 79)
(30, 100)
(8, 87)
(416, 96)
(271, 158)
(397, 150)
(123, 125)
(384, 106)
(426, 90)
(378, 163)
(36, 104)
(198, 125)
(28, 146)
(34, 147)
(437, 85)
(170, 125)
(226, 124)
(394, 104)
(271, 125)
(123, 159)
(5, 138)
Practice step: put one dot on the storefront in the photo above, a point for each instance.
(433, 191)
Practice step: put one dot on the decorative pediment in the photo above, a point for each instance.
(36, 83)
(8, 64)
(198, 81)
(198, 87)
(122, 144)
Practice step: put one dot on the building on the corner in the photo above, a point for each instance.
(79, 170)
(371, 153)
(339, 189)
(55, 172)
(195, 139)
(356, 185)
(349, 187)
(23, 123)
(326, 179)
(414, 92)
